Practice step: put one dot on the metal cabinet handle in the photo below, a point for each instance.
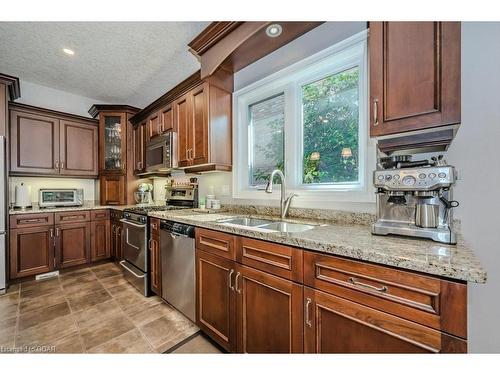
(382, 289)
(238, 290)
(62, 165)
(29, 221)
(308, 320)
(57, 232)
(149, 244)
(57, 165)
(230, 280)
(375, 112)
(51, 233)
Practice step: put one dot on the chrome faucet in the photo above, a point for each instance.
(284, 202)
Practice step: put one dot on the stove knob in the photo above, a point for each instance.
(422, 176)
(442, 175)
(396, 177)
(432, 175)
(388, 177)
(380, 177)
(409, 180)
(143, 219)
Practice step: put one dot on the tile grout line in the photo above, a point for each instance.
(126, 315)
(73, 317)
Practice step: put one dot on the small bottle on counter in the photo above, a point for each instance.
(208, 202)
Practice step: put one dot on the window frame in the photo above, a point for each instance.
(342, 56)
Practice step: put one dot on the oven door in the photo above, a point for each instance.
(160, 153)
(134, 244)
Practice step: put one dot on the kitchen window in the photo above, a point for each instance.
(310, 121)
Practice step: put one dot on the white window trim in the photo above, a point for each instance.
(347, 53)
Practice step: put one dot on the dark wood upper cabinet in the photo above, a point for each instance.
(153, 125)
(167, 118)
(72, 244)
(139, 140)
(31, 251)
(414, 76)
(78, 149)
(46, 142)
(183, 124)
(199, 117)
(34, 143)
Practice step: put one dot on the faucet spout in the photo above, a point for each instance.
(284, 203)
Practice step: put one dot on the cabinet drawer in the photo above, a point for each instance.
(72, 217)
(99, 215)
(420, 298)
(31, 220)
(116, 214)
(279, 260)
(154, 226)
(218, 243)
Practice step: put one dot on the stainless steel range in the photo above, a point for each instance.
(136, 263)
(414, 198)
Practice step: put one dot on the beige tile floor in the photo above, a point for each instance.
(93, 310)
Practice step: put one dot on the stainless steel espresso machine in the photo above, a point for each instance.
(414, 198)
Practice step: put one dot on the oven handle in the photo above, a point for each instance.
(122, 263)
(133, 224)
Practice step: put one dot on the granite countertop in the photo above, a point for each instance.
(87, 205)
(355, 241)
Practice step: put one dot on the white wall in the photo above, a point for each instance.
(38, 183)
(475, 154)
(46, 97)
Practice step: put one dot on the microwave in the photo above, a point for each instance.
(60, 197)
(161, 153)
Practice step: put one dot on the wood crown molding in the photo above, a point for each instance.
(13, 85)
(50, 112)
(96, 108)
(211, 35)
(189, 83)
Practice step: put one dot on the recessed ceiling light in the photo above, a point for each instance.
(68, 51)
(274, 30)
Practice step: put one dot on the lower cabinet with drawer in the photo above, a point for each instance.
(45, 242)
(255, 296)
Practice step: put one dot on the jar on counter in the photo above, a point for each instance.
(215, 204)
(208, 201)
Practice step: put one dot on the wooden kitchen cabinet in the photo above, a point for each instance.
(113, 189)
(31, 251)
(46, 142)
(268, 313)
(336, 325)
(100, 240)
(72, 244)
(78, 149)
(216, 299)
(153, 127)
(414, 76)
(167, 118)
(139, 147)
(183, 124)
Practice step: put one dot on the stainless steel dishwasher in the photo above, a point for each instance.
(178, 267)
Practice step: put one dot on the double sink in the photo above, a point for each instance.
(267, 225)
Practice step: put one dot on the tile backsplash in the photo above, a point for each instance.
(37, 183)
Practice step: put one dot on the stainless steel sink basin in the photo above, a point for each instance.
(245, 221)
(283, 226)
(268, 225)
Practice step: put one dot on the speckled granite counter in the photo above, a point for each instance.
(356, 241)
(87, 205)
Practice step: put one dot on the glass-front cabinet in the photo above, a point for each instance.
(113, 141)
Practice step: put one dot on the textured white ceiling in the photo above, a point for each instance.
(116, 62)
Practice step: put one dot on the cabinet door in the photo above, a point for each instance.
(269, 313)
(154, 247)
(31, 251)
(78, 149)
(72, 244)
(167, 118)
(414, 76)
(199, 116)
(100, 236)
(112, 188)
(153, 125)
(216, 305)
(184, 127)
(112, 141)
(336, 325)
(34, 143)
(139, 140)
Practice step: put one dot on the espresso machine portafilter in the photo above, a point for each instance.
(415, 199)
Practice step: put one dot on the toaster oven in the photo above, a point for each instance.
(60, 197)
